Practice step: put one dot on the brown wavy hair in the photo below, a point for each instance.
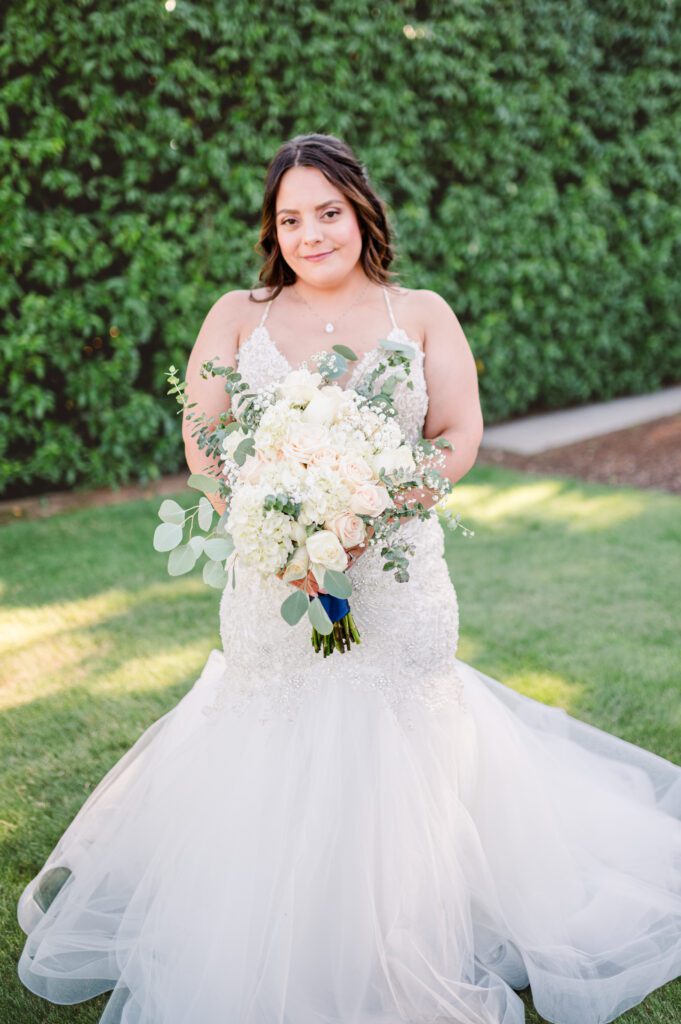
(340, 166)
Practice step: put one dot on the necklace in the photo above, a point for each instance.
(329, 327)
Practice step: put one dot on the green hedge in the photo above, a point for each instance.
(529, 154)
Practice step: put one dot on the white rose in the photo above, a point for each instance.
(232, 441)
(303, 440)
(324, 457)
(297, 565)
(393, 460)
(323, 406)
(325, 550)
(349, 529)
(370, 500)
(355, 470)
(300, 386)
(298, 533)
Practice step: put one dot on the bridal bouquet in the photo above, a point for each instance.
(312, 473)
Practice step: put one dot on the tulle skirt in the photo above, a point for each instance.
(343, 869)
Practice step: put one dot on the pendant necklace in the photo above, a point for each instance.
(329, 327)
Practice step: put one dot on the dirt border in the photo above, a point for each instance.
(646, 456)
(42, 506)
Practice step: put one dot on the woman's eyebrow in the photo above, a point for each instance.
(329, 202)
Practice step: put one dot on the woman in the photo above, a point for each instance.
(388, 836)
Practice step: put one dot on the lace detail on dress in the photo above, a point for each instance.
(409, 630)
(261, 362)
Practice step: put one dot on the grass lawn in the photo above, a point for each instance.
(568, 592)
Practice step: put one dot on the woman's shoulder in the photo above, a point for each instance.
(240, 308)
(417, 309)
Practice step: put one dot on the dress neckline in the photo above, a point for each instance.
(395, 334)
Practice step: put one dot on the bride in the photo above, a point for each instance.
(387, 836)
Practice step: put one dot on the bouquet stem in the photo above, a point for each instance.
(343, 635)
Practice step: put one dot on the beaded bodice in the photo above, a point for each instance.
(409, 630)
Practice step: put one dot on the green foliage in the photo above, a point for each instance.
(116, 644)
(528, 153)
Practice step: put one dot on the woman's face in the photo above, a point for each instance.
(314, 218)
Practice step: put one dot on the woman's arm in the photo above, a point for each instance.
(453, 399)
(217, 339)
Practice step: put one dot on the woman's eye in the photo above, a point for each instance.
(291, 220)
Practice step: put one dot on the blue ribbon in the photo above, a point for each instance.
(335, 607)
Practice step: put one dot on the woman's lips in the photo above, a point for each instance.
(318, 256)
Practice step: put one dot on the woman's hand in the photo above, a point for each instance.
(425, 495)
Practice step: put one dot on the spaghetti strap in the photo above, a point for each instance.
(390, 308)
(266, 312)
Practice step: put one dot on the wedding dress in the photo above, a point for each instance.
(382, 836)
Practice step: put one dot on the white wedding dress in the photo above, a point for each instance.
(376, 837)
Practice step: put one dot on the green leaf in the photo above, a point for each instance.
(244, 449)
(344, 351)
(442, 442)
(201, 482)
(214, 575)
(398, 346)
(219, 548)
(294, 607)
(339, 369)
(182, 560)
(318, 617)
(337, 584)
(171, 512)
(197, 544)
(205, 515)
(167, 536)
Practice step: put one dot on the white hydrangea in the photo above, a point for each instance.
(324, 462)
(262, 538)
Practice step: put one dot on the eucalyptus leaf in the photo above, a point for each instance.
(398, 346)
(214, 575)
(344, 351)
(205, 515)
(243, 450)
(171, 512)
(339, 369)
(201, 482)
(442, 442)
(219, 548)
(182, 560)
(167, 536)
(337, 584)
(294, 607)
(197, 544)
(318, 617)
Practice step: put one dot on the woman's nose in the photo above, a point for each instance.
(312, 231)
